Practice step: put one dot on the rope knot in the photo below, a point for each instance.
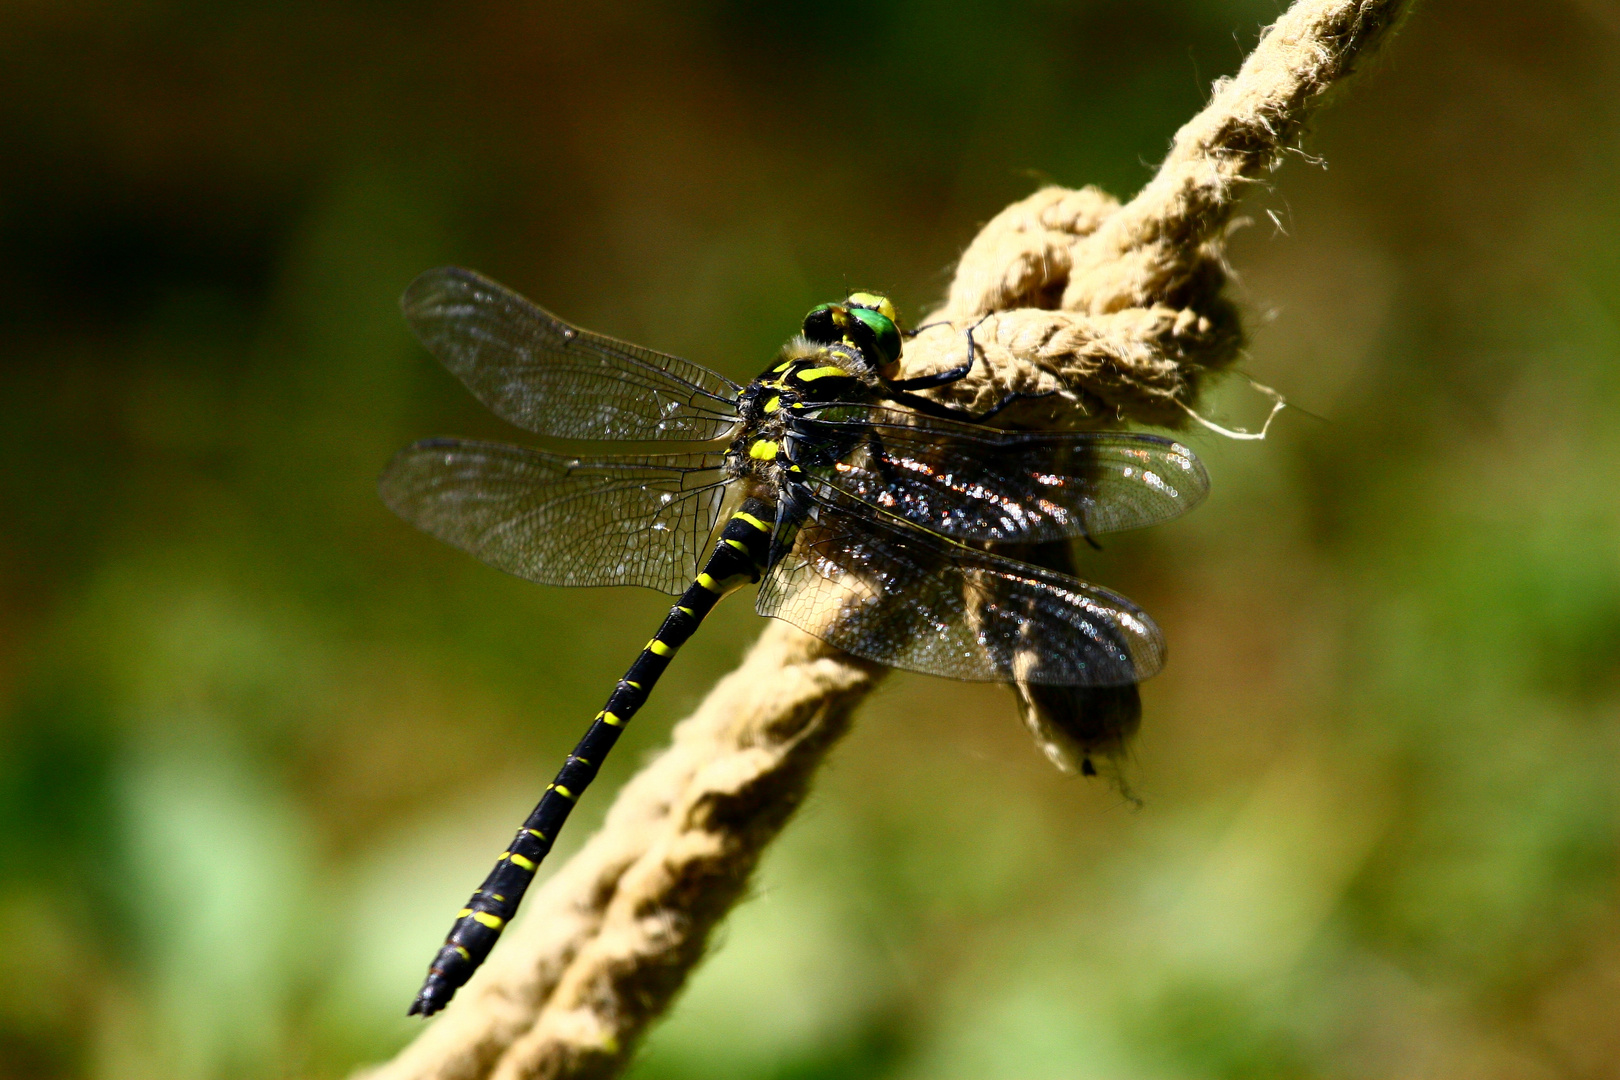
(1082, 321)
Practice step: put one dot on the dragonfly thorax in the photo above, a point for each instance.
(806, 374)
(821, 371)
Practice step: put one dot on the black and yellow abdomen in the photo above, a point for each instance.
(739, 559)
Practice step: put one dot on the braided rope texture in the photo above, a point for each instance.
(1112, 312)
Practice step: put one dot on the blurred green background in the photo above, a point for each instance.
(260, 738)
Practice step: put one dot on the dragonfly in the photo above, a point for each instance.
(866, 512)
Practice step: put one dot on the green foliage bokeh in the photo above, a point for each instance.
(258, 739)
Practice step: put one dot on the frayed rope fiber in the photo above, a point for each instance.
(1099, 312)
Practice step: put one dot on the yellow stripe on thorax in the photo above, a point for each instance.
(812, 374)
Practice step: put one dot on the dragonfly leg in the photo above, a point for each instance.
(930, 407)
(914, 331)
(942, 378)
(900, 390)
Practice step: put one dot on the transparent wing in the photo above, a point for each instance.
(978, 483)
(560, 520)
(540, 373)
(881, 589)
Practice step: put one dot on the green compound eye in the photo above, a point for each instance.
(866, 319)
(878, 303)
(885, 335)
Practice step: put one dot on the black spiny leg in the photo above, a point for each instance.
(737, 560)
(942, 378)
(900, 389)
(930, 407)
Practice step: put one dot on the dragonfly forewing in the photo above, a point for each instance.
(542, 374)
(1003, 486)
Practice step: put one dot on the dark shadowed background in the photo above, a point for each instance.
(260, 739)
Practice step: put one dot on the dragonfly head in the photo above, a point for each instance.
(864, 320)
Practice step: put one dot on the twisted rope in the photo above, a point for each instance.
(1095, 310)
